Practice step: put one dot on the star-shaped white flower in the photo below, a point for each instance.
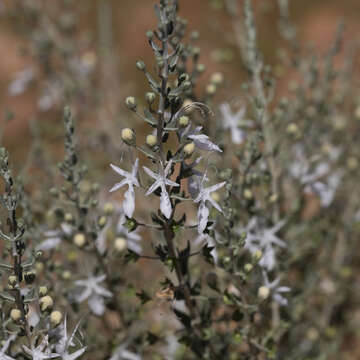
(5, 348)
(203, 196)
(235, 122)
(41, 352)
(276, 291)
(130, 180)
(93, 293)
(202, 141)
(53, 238)
(65, 342)
(133, 239)
(161, 181)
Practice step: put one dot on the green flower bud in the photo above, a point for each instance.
(140, 65)
(150, 97)
(131, 103)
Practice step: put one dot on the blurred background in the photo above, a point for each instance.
(84, 52)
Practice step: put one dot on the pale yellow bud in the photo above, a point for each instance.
(120, 244)
(79, 240)
(69, 218)
(263, 292)
(189, 149)
(257, 255)
(12, 280)
(102, 221)
(292, 129)
(131, 102)
(15, 315)
(55, 318)
(46, 303)
(352, 163)
(43, 290)
(184, 121)
(108, 209)
(151, 140)
(248, 267)
(211, 89)
(128, 136)
(66, 275)
(248, 194)
(312, 334)
(217, 78)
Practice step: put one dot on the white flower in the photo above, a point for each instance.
(53, 238)
(21, 82)
(93, 293)
(65, 342)
(202, 141)
(276, 291)
(5, 348)
(233, 122)
(264, 239)
(203, 211)
(161, 181)
(41, 352)
(130, 180)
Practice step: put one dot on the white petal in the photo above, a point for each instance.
(129, 202)
(165, 203)
(203, 216)
(119, 171)
(119, 185)
(96, 305)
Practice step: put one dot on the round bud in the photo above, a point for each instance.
(215, 196)
(120, 244)
(211, 89)
(150, 97)
(131, 103)
(273, 198)
(195, 51)
(189, 149)
(108, 209)
(102, 221)
(95, 187)
(140, 65)
(292, 129)
(257, 255)
(69, 218)
(55, 318)
(352, 163)
(66, 275)
(248, 194)
(79, 239)
(43, 290)
(46, 303)
(151, 140)
(15, 315)
(263, 292)
(149, 34)
(217, 78)
(12, 280)
(128, 136)
(54, 192)
(184, 121)
(248, 267)
(200, 68)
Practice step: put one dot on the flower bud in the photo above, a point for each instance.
(186, 85)
(200, 68)
(211, 89)
(15, 315)
(128, 136)
(215, 196)
(108, 209)
(151, 140)
(69, 218)
(292, 129)
(140, 65)
(120, 244)
(102, 221)
(131, 103)
(217, 78)
(55, 318)
(263, 292)
(66, 275)
(30, 277)
(187, 104)
(150, 97)
(12, 280)
(79, 239)
(189, 149)
(257, 255)
(183, 121)
(248, 267)
(248, 194)
(46, 303)
(43, 290)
